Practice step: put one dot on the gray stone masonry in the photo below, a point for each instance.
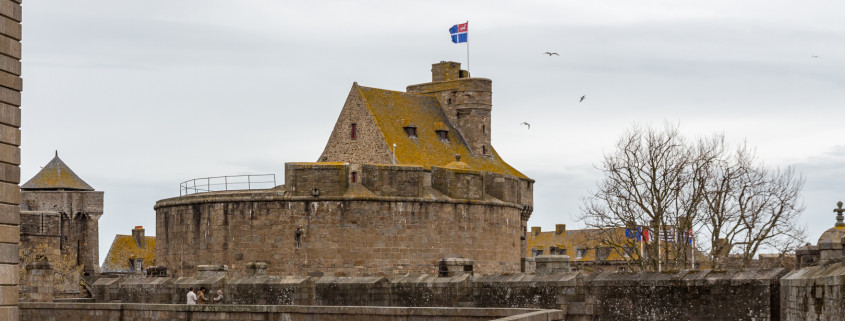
(698, 295)
(38, 286)
(548, 264)
(157, 312)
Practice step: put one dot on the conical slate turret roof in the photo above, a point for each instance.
(56, 175)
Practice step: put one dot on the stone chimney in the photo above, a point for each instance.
(138, 234)
(535, 230)
(560, 229)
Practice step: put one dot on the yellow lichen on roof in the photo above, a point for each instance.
(125, 248)
(56, 175)
(589, 239)
(394, 110)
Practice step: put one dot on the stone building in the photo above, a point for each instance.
(11, 85)
(610, 249)
(61, 210)
(406, 179)
(130, 253)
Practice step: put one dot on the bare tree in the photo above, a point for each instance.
(658, 181)
(749, 207)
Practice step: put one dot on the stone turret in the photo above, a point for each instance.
(466, 101)
(61, 210)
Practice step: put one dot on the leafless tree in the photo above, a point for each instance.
(658, 181)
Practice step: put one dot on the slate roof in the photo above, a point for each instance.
(124, 248)
(394, 110)
(56, 175)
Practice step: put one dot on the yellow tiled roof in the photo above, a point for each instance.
(394, 110)
(56, 175)
(125, 248)
(570, 240)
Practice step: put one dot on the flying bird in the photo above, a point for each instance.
(526, 124)
(582, 98)
(550, 53)
(814, 56)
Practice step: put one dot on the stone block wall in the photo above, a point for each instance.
(156, 312)
(458, 183)
(814, 293)
(393, 180)
(357, 234)
(305, 179)
(64, 219)
(11, 85)
(699, 295)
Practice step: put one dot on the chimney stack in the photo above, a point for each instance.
(138, 234)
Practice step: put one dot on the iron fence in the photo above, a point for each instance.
(227, 183)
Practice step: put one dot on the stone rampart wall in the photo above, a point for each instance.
(339, 236)
(167, 312)
(698, 295)
(814, 293)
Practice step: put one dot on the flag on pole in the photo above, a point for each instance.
(459, 32)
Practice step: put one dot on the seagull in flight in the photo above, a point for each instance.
(526, 124)
(550, 53)
(582, 98)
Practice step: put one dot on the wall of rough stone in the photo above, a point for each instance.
(174, 312)
(698, 295)
(814, 293)
(346, 229)
(11, 85)
(72, 216)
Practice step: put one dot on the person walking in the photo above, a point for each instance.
(201, 299)
(192, 297)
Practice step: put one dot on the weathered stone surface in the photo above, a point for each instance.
(150, 312)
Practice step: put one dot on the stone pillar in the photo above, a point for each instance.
(548, 264)
(211, 271)
(38, 285)
(455, 266)
(10, 155)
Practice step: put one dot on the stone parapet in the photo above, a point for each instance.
(155, 312)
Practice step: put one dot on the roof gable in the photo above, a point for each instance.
(54, 176)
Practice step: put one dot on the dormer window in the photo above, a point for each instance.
(443, 134)
(411, 131)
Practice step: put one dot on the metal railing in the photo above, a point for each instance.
(227, 183)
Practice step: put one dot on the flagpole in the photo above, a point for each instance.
(659, 250)
(470, 74)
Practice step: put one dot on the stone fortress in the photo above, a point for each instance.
(406, 179)
(410, 214)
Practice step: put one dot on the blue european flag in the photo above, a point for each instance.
(459, 32)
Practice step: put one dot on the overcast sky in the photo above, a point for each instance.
(139, 96)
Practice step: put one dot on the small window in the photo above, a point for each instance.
(353, 133)
(354, 177)
(483, 129)
(580, 253)
(411, 131)
(536, 252)
(484, 149)
(443, 134)
(561, 251)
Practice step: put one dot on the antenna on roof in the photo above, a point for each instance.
(57, 153)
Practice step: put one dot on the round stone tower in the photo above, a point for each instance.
(466, 101)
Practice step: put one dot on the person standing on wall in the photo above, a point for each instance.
(192, 297)
(201, 299)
